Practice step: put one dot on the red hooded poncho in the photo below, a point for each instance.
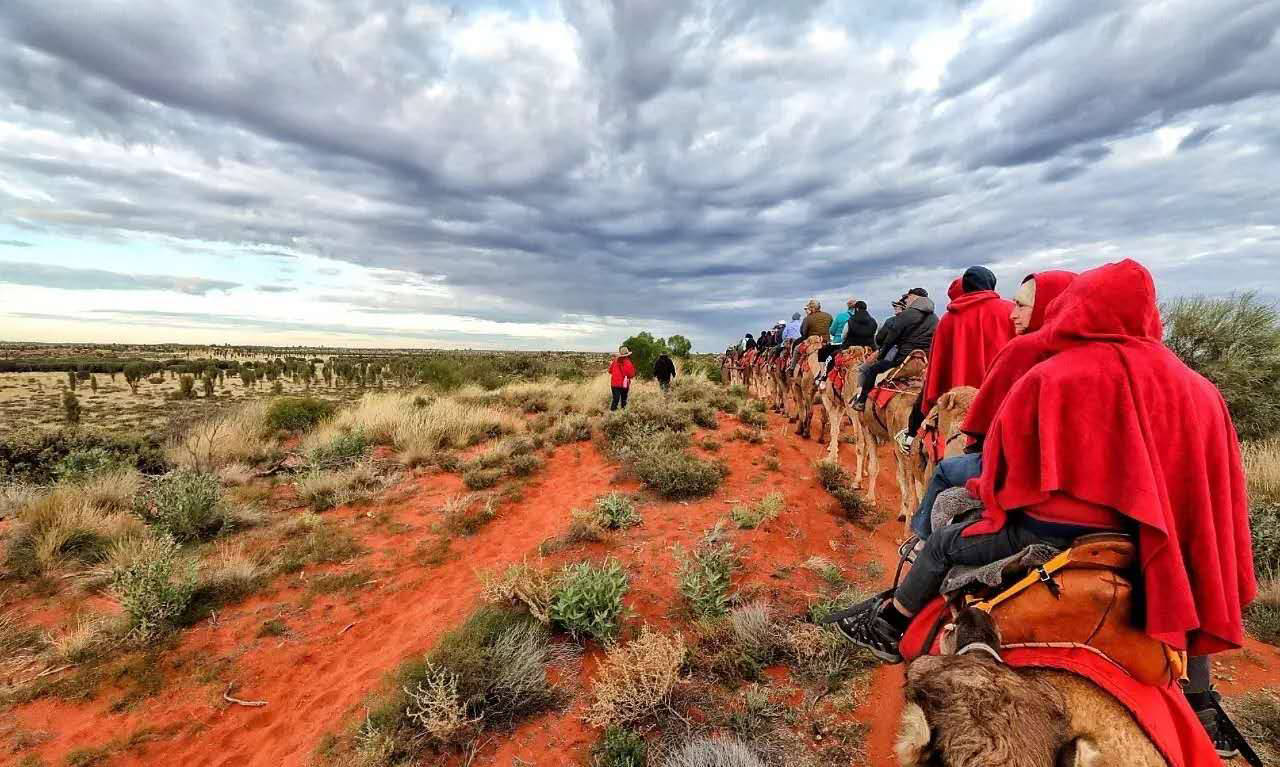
(1113, 418)
(1018, 356)
(974, 329)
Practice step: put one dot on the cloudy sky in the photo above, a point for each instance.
(536, 175)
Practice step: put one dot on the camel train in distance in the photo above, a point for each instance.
(1053, 717)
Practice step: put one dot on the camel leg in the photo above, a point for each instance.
(873, 467)
(835, 413)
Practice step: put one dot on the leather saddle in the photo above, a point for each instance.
(913, 367)
(1084, 597)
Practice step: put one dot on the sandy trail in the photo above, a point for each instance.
(341, 646)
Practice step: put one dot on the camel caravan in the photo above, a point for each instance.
(1076, 541)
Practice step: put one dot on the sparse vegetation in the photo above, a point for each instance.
(705, 574)
(616, 511)
(296, 413)
(586, 599)
(323, 490)
(713, 752)
(620, 747)
(835, 480)
(766, 509)
(464, 515)
(186, 505)
(636, 679)
(1257, 714)
(154, 584)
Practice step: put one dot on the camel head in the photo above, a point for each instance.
(968, 709)
(948, 416)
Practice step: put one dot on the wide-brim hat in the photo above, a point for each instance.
(624, 351)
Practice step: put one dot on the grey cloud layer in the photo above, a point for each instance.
(50, 276)
(706, 163)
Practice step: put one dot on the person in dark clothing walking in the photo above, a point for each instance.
(861, 328)
(622, 371)
(912, 330)
(664, 370)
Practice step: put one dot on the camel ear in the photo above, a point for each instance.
(1080, 752)
(913, 736)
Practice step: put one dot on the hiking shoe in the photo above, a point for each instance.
(904, 441)
(1221, 743)
(872, 633)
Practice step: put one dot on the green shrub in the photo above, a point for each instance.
(312, 540)
(573, 428)
(704, 575)
(154, 586)
(619, 747)
(79, 465)
(346, 448)
(184, 504)
(1235, 343)
(631, 428)
(644, 350)
(523, 465)
(753, 418)
(186, 388)
(750, 517)
(677, 475)
(33, 455)
(297, 413)
(70, 407)
(704, 416)
(617, 511)
(477, 478)
(586, 599)
(1264, 521)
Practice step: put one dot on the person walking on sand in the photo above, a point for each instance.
(621, 372)
(664, 370)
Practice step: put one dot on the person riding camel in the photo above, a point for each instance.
(792, 330)
(974, 329)
(841, 322)
(816, 322)
(1110, 431)
(1031, 309)
(910, 331)
(861, 327)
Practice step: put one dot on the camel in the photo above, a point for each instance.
(803, 388)
(836, 406)
(879, 424)
(944, 420)
(969, 708)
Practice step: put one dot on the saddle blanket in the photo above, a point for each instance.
(1161, 711)
(881, 397)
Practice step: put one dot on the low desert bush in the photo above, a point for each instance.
(753, 418)
(523, 586)
(88, 637)
(296, 413)
(617, 511)
(751, 517)
(309, 539)
(112, 491)
(154, 586)
(1262, 467)
(228, 575)
(1262, 618)
(79, 465)
(738, 646)
(620, 747)
(636, 679)
(819, 654)
(34, 456)
(62, 527)
(466, 514)
(343, 450)
(322, 490)
(713, 752)
(750, 436)
(229, 436)
(572, 428)
(1257, 714)
(479, 478)
(837, 481)
(586, 599)
(1264, 522)
(489, 672)
(705, 574)
(186, 505)
(677, 475)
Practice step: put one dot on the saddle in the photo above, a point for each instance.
(1082, 598)
(909, 373)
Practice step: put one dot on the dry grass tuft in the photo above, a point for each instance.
(323, 490)
(231, 436)
(1262, 467)
(713, 752)
(88, 637)
(521, 585)
(63, 527)
(635, 680)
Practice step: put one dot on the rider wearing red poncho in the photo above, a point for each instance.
(974, 329)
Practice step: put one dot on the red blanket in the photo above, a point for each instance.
(1161, 712)
(1017, 357)
(1113, 418)
(882, 397)
(973, 330)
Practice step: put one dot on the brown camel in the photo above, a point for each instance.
(966, 707)
(879, 424)
(836, 408)
(803, 388)
(944, 420)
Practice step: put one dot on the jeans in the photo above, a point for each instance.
(869, 374)
(664, 384)
(947, 548)
(949, 473)
(619, 398)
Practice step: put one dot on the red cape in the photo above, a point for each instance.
(973, 330)
(1017, 357)
(1113, 418)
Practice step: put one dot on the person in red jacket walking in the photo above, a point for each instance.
(621, 373)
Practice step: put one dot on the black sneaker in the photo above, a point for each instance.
(872, 633)
(1221, 743)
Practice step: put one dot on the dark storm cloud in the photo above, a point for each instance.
(706, 164)
(67, 278)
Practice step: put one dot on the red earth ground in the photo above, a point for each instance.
(339, 647)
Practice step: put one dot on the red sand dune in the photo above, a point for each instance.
(316, 679)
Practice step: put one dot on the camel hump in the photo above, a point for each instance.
(1101, 724)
